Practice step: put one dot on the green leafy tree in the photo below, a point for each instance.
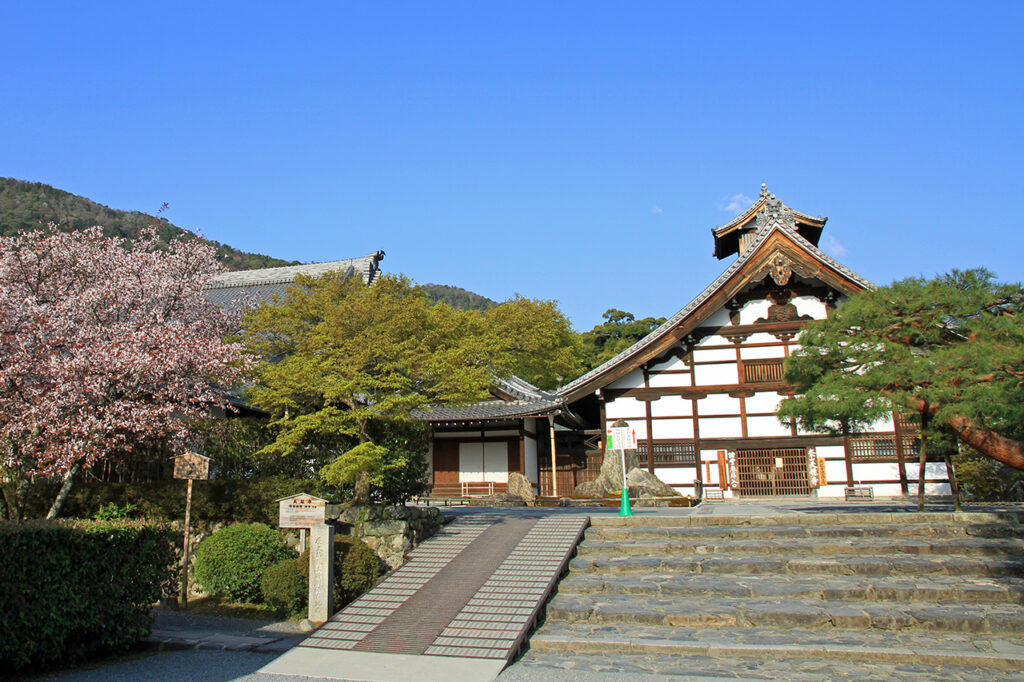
(619, 331)
(950, 349)
(348, 363)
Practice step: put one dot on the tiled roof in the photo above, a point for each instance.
(258, 285)
(528, 401)
(488, 409)
(672, 322)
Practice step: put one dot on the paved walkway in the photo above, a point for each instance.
(460, 608)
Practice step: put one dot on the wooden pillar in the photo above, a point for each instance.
(554, 458)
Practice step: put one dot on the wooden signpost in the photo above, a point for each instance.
(190, 466)
(302, 511)
(309, 513)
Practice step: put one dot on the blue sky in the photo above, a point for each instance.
(572, 151)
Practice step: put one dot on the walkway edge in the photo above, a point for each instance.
(365, 666)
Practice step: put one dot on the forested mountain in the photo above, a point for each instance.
(457, 297)
(30, 205)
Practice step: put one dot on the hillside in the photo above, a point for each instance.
(457, 297)
(29, 205)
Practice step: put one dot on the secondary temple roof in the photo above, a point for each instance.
(258, 285)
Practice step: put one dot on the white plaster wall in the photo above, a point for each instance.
(716, 375)
(676, 476)
(711, 354)
(663, 429)
(835, 472)
(876, 471)
(671, 363)
(831, 490)
(710, 473)
(932, 470)
(763, 401)
(671, 406)
(530, 425)
(530, 459)
(762, 352)
(728, 427)
(714, 340)
(718, 403)
(763, 426)
(761, 337)
(808, 305)
(832, 451)
(634, 379)
(624, 408)
(669, 380)
(753, 311)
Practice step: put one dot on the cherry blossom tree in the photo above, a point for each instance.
(105, 345)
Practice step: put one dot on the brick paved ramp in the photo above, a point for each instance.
(460, 608)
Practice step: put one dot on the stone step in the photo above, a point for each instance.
(842, 588)
(793, 654)
(696, 520)
(759, 564)
(891, 530)
(785, 614)
(936, 546)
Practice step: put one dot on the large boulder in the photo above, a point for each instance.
(643, 483)
(590, 489)
(519, 487)
(611, 469)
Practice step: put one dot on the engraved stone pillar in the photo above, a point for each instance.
(321, 572)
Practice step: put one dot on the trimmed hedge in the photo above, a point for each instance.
(232, 560)
(73, 589)
(285, 589)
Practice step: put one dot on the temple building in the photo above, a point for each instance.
(700, 391)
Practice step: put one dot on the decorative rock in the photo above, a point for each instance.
(306, 625)
(643, 483)
(590, 489)
(520, 487)
(611, 469)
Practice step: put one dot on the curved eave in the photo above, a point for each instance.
(653, 344)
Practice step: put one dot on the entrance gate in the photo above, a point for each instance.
(765, 473)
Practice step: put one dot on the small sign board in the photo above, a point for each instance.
(621, 438)
(302, 511)
(192, 466)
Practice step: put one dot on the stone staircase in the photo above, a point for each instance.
(802, 596)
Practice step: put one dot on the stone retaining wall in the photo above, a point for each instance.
(390, 530)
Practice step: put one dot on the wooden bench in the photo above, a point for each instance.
(860, 493)
(714, 494)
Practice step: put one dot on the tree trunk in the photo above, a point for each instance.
(5, 508)
(954, 489)
(22, 486)
(1000, 448)
(65, 490)
(361, 494)
(923, 464)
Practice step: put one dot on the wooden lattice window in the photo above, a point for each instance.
(873, 448)
(668, 453)
(762, 371)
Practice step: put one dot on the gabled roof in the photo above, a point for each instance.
(259, 285)
(767, 207)
(754, 259)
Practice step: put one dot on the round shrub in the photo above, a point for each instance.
(356, 568)
(285, 589)
(231, 562)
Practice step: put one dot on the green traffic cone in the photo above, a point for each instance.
(624, 508)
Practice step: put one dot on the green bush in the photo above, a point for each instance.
(231, 562)
(69, 590)
(356, 569)
(285, 589)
